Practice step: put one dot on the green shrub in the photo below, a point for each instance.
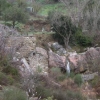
(74, 96)
(67, 95)
(57, 94)
(61, 77)
(72, 74)
(95, 81)
(3, 79)
(13, 93)
(6, 66)
(43, 91)
(6, 79)
(10, 70)
(57, 74)
(83, 40)
(10, 80)
(78, 79)
(4, 61)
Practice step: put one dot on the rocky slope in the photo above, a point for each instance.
(32, 54)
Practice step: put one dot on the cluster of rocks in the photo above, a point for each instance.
(6, 31)
(42, 59)
(89, 60)
(57, 48)
(88, 77)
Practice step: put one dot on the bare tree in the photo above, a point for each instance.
(84, 13)
(92, 15)
(36, 7)
(28, 85)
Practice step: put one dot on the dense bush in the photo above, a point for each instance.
(72, 74)
(10, 13)
(10, 70)
(57, 74)
(3, 5)
(9, 74)
(43, 91)
(78, 79)
(6, 66)
(13, 93)
(84, 40)
(68, 95)
(95, 81)
(58, 94)
(3, 79)
(6, 79)
(75, 96)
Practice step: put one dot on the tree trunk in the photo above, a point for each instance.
(66, 41)
(13, 24)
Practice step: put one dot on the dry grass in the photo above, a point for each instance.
(43, 39)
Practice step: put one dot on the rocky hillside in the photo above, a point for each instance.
(49, 50)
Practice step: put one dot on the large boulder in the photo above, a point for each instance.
(55, 60)
(38, 60)
(89, 60)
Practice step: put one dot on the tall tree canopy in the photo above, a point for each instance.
(3, 5)
(15, 15)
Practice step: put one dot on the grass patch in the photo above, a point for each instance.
(50, 7)
(57, 74)
(95, 81)
(78, 79)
